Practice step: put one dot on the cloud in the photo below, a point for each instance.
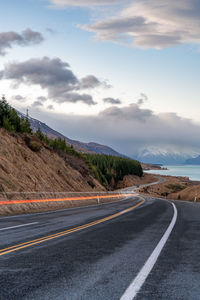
(65, 3)
(26, 38)
(50, 31)
(131, 112)
(54, 76)
(112, 100)
(75, 97)
(37, 103)
(89, 82)
(50, 107)
(142, 99)
(19, 98)
(152, 24)
(129, 129)
(42, 98)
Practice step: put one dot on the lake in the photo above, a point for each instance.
(193, 172)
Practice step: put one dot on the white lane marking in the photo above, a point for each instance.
(139, 280)
(17, 226)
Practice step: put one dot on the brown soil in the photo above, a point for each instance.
(22, 169)
(177, 188)
(132, 180)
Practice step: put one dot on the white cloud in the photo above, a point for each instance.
(152, 24)
(26, 38)
(55, 76)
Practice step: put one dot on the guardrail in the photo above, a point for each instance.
(63, 199)
(20, 202)
(13, 196)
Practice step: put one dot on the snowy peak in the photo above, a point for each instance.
(162, 156)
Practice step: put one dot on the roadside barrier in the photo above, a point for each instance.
(10, 198)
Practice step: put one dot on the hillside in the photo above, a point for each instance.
(34, 162)
(22, 169)
(174, 187)
(79, 146)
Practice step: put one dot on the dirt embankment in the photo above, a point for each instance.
(40, 174)
(132, 180)
(177, 188)
(24, 170)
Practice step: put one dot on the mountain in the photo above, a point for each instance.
(193, 161)
(79, 146)
(162, 157)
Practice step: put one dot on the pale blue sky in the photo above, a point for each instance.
(169, 77)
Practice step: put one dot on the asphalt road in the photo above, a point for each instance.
(100, 261)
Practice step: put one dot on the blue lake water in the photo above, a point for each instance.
(193, 172)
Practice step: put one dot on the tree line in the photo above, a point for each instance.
(57, 144)
(109, 170)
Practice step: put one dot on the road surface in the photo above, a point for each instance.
(97, 252)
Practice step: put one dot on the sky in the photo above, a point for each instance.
(122, 73)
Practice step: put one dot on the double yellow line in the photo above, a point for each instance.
(66, 232)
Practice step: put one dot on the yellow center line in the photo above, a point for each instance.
(66, 232)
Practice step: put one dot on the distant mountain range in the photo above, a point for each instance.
(154, 156)
(79, 146)
(193, 161)
(149, 155)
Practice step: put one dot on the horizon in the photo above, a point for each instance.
(124, 75)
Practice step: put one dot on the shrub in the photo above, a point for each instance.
(34, 146)
(32, 142)
(175, 187)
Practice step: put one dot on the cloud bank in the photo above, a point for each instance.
(147, 24)
(54, 76)
(153, 24)
(26, 38)
(130, 129)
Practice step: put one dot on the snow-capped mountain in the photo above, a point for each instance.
(164, 157)
(193, 161)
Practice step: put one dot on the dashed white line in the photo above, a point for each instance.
(17, 226)
(139, 280)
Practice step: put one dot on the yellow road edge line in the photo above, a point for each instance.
(66, 232)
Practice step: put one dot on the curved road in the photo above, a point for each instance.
(95, 253)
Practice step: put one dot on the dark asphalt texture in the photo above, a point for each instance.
(100, 262)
